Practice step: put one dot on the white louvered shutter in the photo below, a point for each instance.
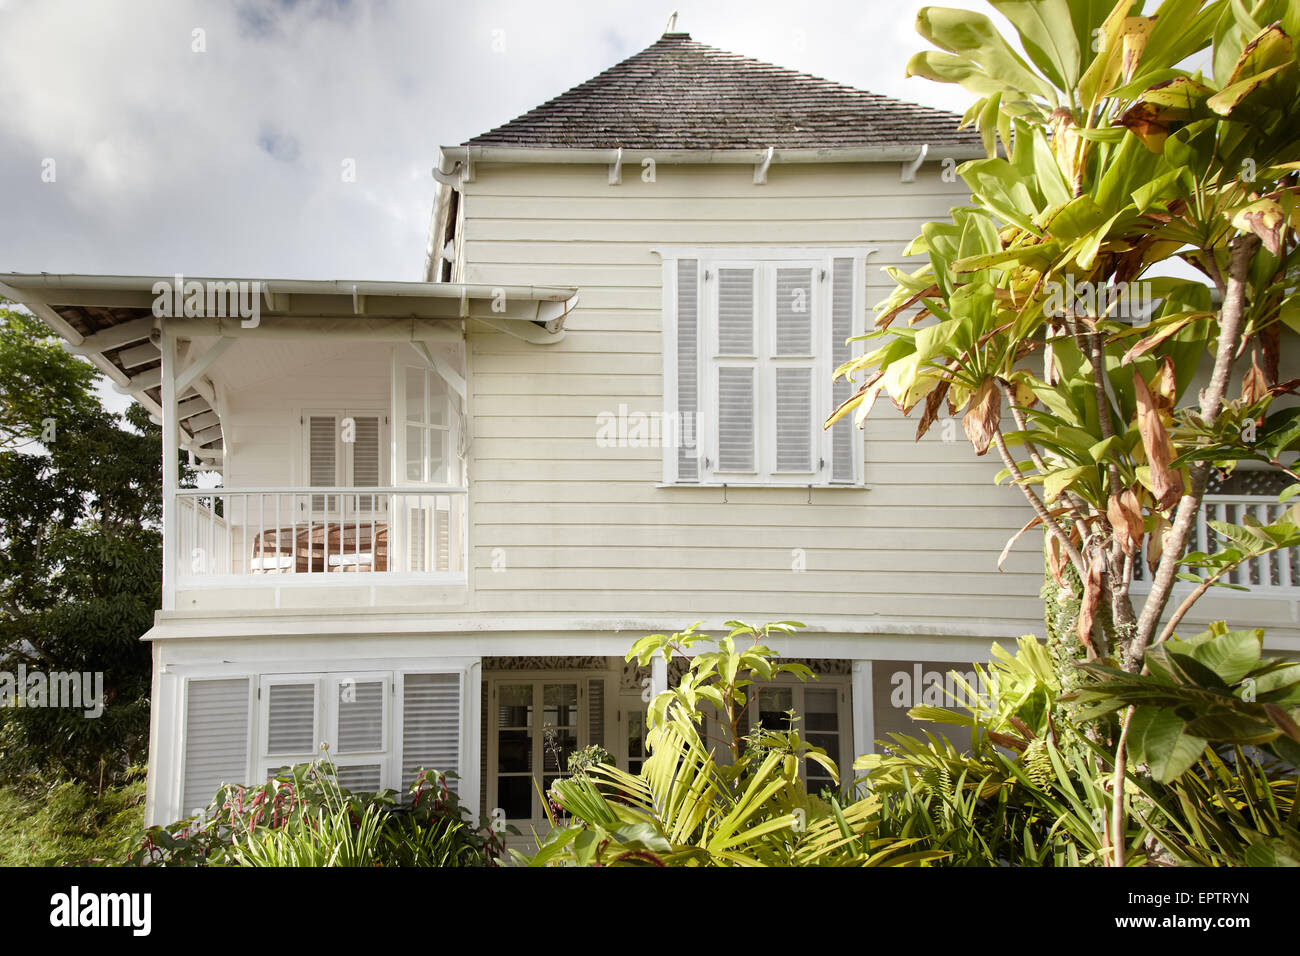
(291, 719)
(792, 378)
(688, 368)
(360, 717)
(736, 371)
(365, 452)
(364, 461)
(596, 711)
(431, 715)
(736, 418)
(794, 424)
(843, 466)
(216, 739)
(794, 312)
(736, 312)
(322, 458)
(361, 778)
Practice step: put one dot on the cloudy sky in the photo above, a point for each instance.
(210, 138)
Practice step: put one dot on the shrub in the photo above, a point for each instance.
(303, 817)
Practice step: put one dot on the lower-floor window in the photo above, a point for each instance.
(818, 710)
(379, 728)
(534, 724)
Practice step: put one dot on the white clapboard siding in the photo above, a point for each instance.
(588, 530)
(216, 739)
(431, 716)
(361, 717)
(291, 718)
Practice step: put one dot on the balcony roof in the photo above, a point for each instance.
(116, 321)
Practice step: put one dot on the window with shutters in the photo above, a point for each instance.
(354, 714)
(751, 343)
(217, 717)
(343, 448)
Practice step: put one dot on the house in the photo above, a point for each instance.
(448, 507)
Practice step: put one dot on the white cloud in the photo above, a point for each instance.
(228, 161)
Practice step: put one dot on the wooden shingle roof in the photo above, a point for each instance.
(681, 94)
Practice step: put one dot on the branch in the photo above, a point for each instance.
(1077, 507)
(1117, 808)
(1230, 325)
(1037, 504)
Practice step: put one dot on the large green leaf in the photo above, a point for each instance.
(1159, 739)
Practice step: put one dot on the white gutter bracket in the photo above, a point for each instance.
(616, 169)
(908, 172)
(760, 169)
(451, 179)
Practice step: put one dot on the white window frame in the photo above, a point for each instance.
(325, 724)
(538, 678)
(453, 461)
(767, 261)
(170, 794)
(843, 685)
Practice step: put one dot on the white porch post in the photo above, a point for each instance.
(658, 674)
(170, 468)
(472, 710)
(864, 723)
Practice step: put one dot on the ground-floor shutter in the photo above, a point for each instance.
(216, 739)
(596, 712)
(431, 715)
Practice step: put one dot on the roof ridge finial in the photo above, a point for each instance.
(672, 24)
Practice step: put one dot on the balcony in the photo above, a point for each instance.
(1275, 575)
(352, 541)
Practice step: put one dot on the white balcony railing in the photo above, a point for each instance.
(1268, 574)
(319, 532)
(1273, 571)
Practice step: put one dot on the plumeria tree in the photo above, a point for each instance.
(1119, 139)
(1039, 316)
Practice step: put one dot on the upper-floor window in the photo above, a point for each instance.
(752, 338)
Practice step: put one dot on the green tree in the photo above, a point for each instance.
(1107, 155)
(80, 554)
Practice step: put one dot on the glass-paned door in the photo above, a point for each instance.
(817, 717)
(535, 725)
(430, 530)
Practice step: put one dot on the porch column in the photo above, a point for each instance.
(658, 675)
(864, 717)
(170, 467)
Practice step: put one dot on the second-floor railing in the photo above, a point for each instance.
(319, 532)
(1271, 572)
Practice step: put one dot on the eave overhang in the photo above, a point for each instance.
(116, 322)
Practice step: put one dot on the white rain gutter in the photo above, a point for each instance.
(465, 157)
